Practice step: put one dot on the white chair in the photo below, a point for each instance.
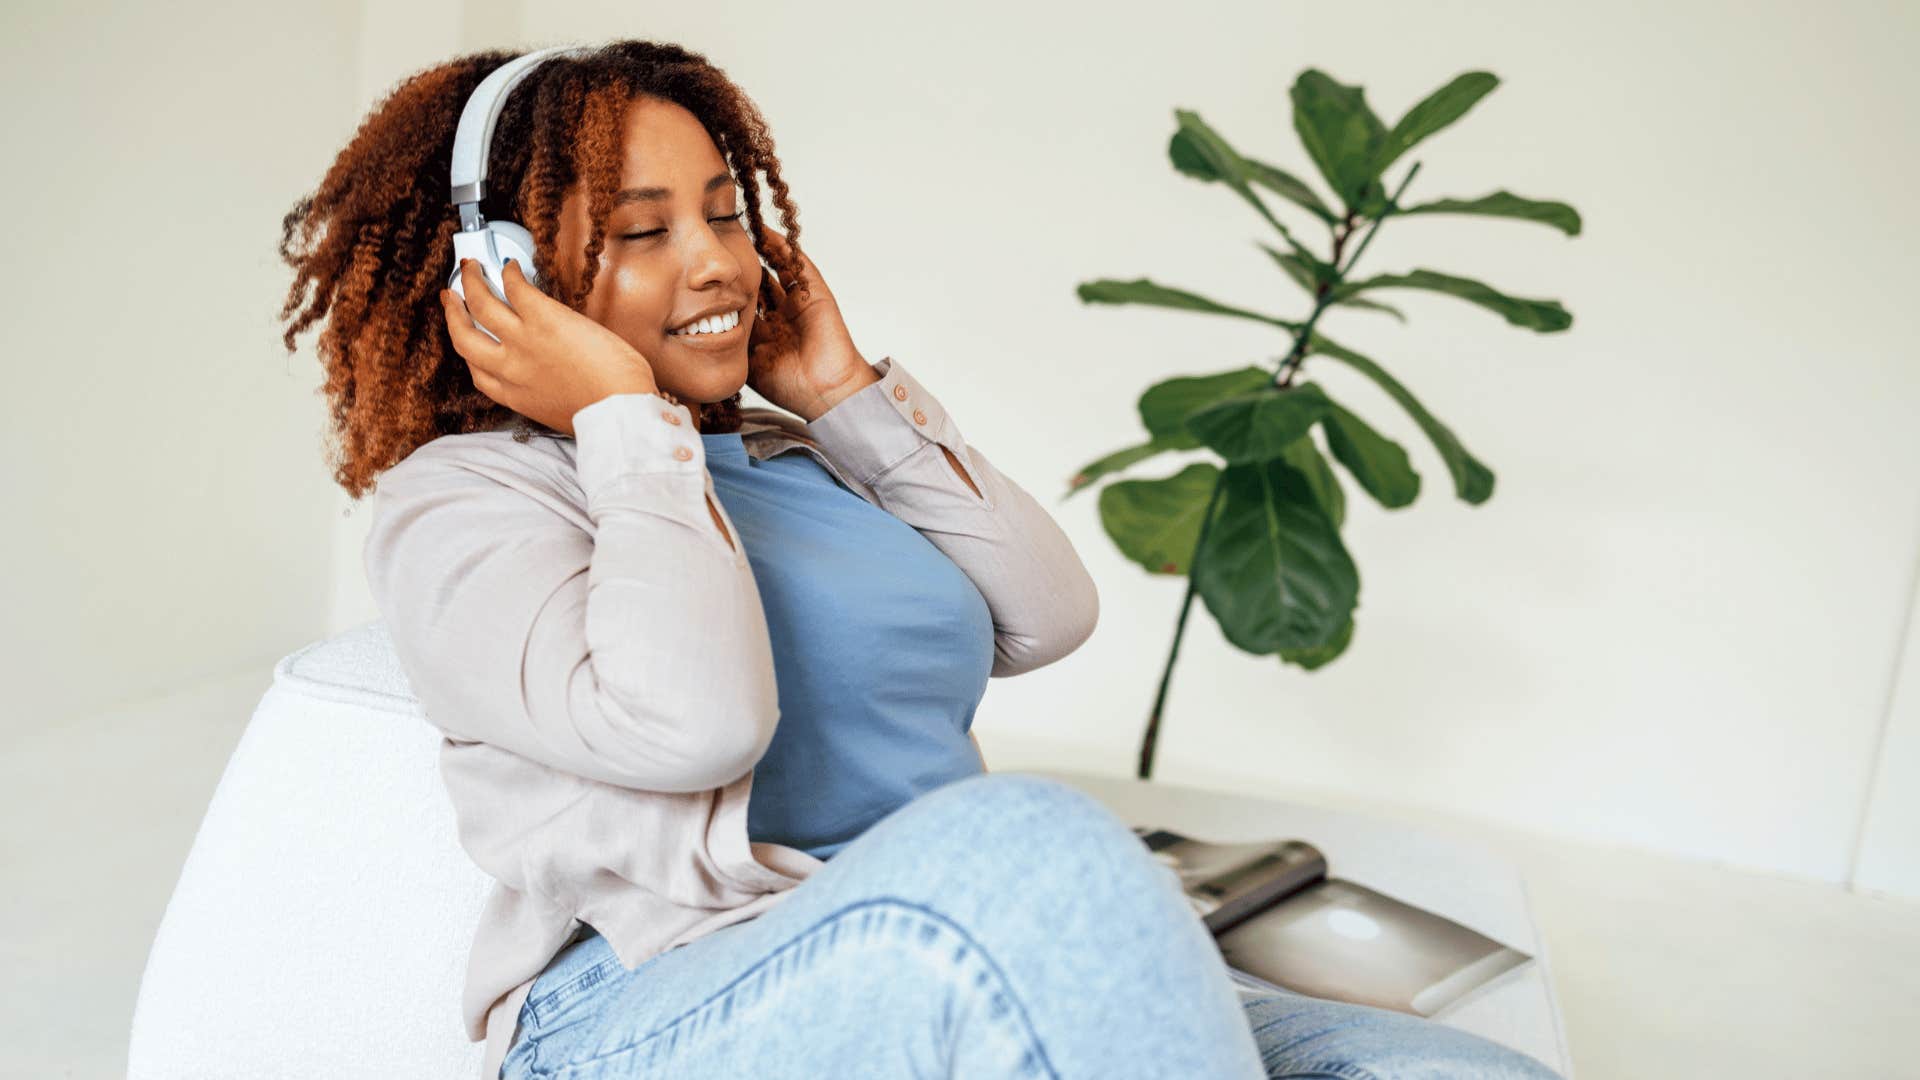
(321, 922)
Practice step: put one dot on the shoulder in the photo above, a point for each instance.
(497, 451)
(453, 504)
(486, 463)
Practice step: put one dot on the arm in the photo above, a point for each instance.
(635, 654)
(896, 438)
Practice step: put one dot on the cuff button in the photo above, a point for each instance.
(899, 392)
(671, 416)
(684, 453)
(919, 417)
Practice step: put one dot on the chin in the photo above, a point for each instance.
(707, 387)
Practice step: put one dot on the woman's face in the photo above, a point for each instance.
(677, 246)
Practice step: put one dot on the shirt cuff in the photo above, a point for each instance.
(623, 437)
(882, 424)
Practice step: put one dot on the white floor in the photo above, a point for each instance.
(1665, 968)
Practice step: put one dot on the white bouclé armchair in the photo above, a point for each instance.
(321, 922)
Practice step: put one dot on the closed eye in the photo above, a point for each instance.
(735, 216)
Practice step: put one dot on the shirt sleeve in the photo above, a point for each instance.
(635, 653)
(889, 435)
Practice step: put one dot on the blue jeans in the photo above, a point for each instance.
(1002, 925)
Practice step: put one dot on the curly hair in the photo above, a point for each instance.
(372, 246)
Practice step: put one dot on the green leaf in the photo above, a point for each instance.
(1259, 424)
(1379, 463)
(1341, 133)
(1115, 462)
(1274, 572)
(1373, 201)
(1472, 480)
(1318, 656)
(1200, 152)
(1156, 523)
(1310, 273)
(1143, 291)
(1370, 305)
(1544, 316)
(1306, 271)
(1504, 203)
(1289, 187)
(1302, 454)
(1165, 405)
(1164, 410)
(1442, 107)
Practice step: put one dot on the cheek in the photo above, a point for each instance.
(750, 263)
(638, 303)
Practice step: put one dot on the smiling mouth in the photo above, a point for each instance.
(712, 341)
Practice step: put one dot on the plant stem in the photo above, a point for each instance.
(1384, 214)
(1283, 377)
(1179, 631)
(1323, 297)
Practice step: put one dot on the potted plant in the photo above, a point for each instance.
(1258, 536)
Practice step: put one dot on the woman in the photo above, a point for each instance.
(594, 563)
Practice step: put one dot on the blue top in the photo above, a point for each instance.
(881, 650)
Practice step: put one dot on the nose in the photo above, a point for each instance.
(709, 261)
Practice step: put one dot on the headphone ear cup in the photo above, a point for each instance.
(513, 241)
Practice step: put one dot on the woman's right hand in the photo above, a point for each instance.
(551, 361)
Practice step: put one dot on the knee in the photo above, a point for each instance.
(1010, 814)
(1025, 805)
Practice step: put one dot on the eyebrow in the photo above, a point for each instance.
(655, 194)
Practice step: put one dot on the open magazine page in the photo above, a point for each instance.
(1337, 939)
(1282, 923)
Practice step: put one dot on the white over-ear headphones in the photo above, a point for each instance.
(490, 243)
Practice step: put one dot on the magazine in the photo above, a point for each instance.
(1281, 922)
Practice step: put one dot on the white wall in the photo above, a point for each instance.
(1888, 859)
(1676, 622)
(166, 504)
(1675, 626)
(395, 41)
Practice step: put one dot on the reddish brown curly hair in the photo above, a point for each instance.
(373, 245)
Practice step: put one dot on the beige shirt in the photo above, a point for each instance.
(593, 649)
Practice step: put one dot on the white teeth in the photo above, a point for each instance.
(713, 324)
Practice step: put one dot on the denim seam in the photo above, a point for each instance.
(793, 942)
(569, 990)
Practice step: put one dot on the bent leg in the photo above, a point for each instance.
(1001, 925)
(1304, 1037)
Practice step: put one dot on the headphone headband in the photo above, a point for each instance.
(477, 120)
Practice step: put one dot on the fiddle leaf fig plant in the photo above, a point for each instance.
(1257, 535)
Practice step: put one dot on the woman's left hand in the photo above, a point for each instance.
(824, 367)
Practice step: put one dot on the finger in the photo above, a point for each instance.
(481, 352)
(785, 246)
(777, 305)
(782, 294)
(781, 246)
(807, 280)
(520, 291)
(489, 310)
